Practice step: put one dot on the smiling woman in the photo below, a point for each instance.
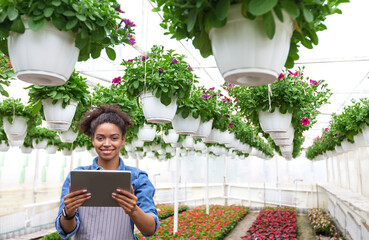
(106, 125)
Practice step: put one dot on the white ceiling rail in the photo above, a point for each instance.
(333, 60)
(99, 77)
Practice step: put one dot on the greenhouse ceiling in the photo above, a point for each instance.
(341, 58)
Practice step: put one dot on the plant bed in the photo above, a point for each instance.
(322, 224)
(274, 223)
(167, 210)
(196, 224)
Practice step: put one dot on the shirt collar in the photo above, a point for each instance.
(95, 166)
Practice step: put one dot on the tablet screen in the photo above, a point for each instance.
(101, 184)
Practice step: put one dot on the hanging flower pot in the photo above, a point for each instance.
(347, 146)
(17, 138)
(187, 125)
(129, 147)
(188, 142)
(46, 57)
(155, 147)
(204, 129)
(286, 149)
(245, 148)
(68, 136)
(57, 117)
(274, 121)
(226, 137)
(4, 147)
(243, 52)
(362, 139)
(39, 144)
(137, 143)
(147, 133)
(67, 152)
(80, 149)
(338, 149)
(283, 135)
(175, 145)
(283, 142)
(155, 111)
(26, 150)
(200, 146)
(213, 136)
(16, 143)
(169, 149)
(51, 149)
(172, 137)
(150, 155)
(18, 127)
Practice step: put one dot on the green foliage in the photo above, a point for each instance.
(165, 74)
(13, 107)
(82, 140)
(3, 136)
(75, 89)
(6, 73)
(293, 93)
(39, 133)
(97, 25)
(194, 19)
(53, 236)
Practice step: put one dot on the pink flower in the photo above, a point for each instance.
(118, 9)
(189, 68)
(230, 124)
(129, 23)
(326, 129)
(336, 135)
(116, 80)
(281, 76)
(174, 61)
(305, 121)
(313, 82)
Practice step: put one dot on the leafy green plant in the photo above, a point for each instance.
(3, 136)
(82, 140)
(97, 25)
(194, 19)
(165, 74)
(39, 134)
(6, 73)
(10, 107)
(53, 236)
(75, 89)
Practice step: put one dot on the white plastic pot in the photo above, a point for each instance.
(204, 129)
(129, 147)
(213, 136)
(39, 144)
(275, 121)
(245, 148)
(226, 137)
(68, 136)
(188, 142)
(57, 117)
(46, 57)
(147, 133)
(283, 142)
(51, 149)
(283, 135)
(17, 138)
(169, 149)
(150, 155)
(17, 128)
(67, 152)
(146, 148)
(155, 147)
(137, 143)
(172, 136)
(26, 150)
(243, 52)
(199, 146)
(286, 149)
(347, 146)
(187, 125)
(16, 143)
(338, 149)
(329, 153)
(80, 149)
(155, 111)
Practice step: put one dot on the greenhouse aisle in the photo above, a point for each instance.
(241, 227)
(304, 228)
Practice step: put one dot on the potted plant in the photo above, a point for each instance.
(81, 142)
(234, 30)
(58, 104)
(293, 94)
(169, 134)
(61, 32)
(6, 73)
(40, 137)
(160, 78)
(4, 144)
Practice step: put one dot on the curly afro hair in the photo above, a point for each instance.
(104, 114)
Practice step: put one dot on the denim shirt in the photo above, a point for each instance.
(143, 189)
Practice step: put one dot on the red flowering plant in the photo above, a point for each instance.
(322, 224)
(274, 223)
(196, 224)
(163, 73)
(6, 73)
(293, 93)
(167, 210)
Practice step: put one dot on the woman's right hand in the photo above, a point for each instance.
(74, 200)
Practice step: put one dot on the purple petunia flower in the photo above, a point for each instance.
(174, 61)
(313, 82)
(119, 9)
(143, 57)
(129, 23)
(160, 71)
(205, 96)
(189, 68)
(130, 60)
(116, 80)
(305, 121)
(132, 39)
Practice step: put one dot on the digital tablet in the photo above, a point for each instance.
(101, 184)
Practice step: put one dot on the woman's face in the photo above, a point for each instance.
(107, 141)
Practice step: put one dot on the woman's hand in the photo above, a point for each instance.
(74, 200)
(126, 200)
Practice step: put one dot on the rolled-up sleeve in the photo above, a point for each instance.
(144, 191)
(59, 229)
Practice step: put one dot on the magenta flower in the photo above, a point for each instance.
(230, 124)
(116, 80)
(326, 129)
(289, 71)
(205, 96)
(132, 39)
(129, 23)
(130, 60)
(189, 68)
(336, 135)
(212, 89)
(313, 82)
(281, 76)
(143, 57)
(305, 121)
(174, 61)
(119, 9)
(160, 71)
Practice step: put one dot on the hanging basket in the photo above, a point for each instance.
(213, 136)
(67, 152)
(39, 144)
(275, 121)
(226, 137)
(46, 57)
(26, 150)
(17, 138)
(283, 135)
(172, 137)
(57, 117)
(243, 52)
(68, 136)
(199, 146)
(129, 147)
(188, 142)
(147, 133)
(187, 125)
(338, 149)
(347, 146)
(283, 142)
(80, 149)
(17, 128)
(155, 111)
(15, 143)
(51, 149)
(286, 149)
(204, 129)
(3, 146)
(137, 143)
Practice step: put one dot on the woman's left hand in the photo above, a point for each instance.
(126, 200)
